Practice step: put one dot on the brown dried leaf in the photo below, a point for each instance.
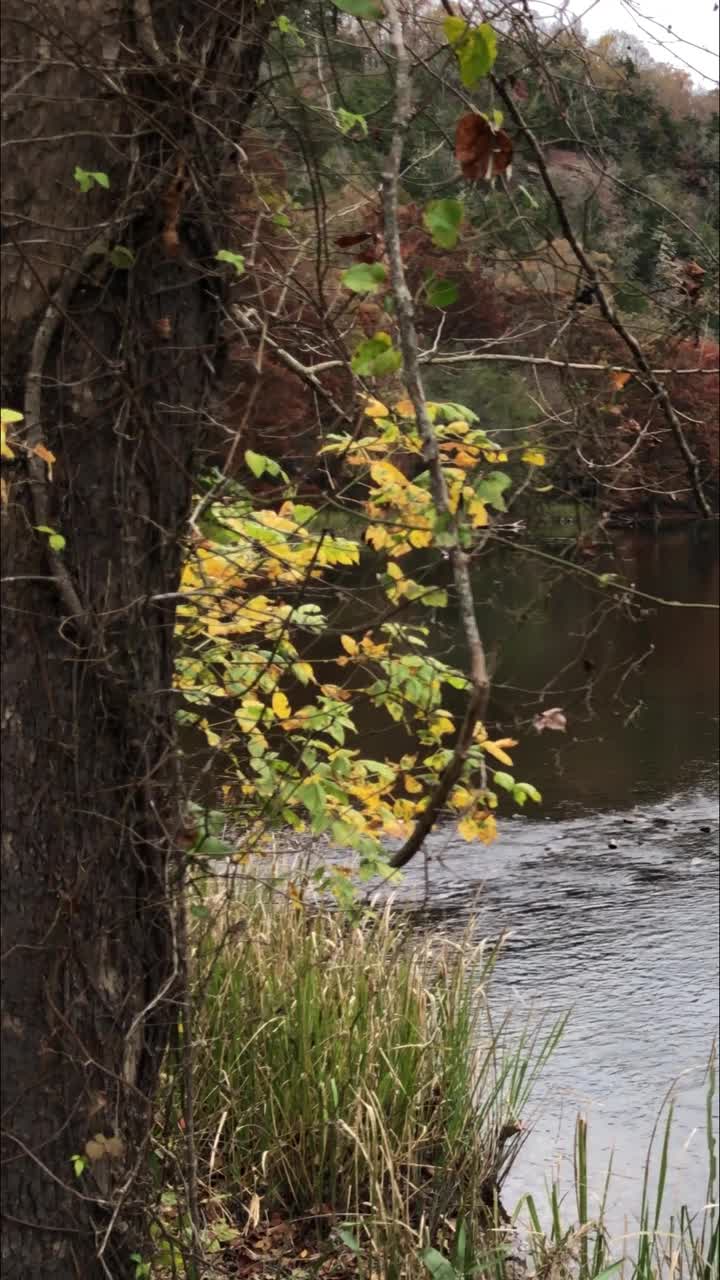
(347, 242)
(551, 718)
(481, 150)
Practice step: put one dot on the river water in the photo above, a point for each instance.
(610, 889)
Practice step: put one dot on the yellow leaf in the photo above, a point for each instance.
(488, 829)
(376, 535)
(372, 648)
(405, 408)
(273, 520)
(495, 749)
(280, 705)
(440, 726)
(481, 827)
(468, 829)
(376, 409)
(495, 455)
(349, 645)
(5, 450)
(394, 571)
(412, 785)
(460, 798)
(420, 537)
(478, 513)
(534, 457)
(385, 473)
(212, 737)
(459, 428)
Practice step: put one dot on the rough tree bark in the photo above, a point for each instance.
(109, 356)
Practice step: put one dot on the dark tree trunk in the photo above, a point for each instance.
(109, 357)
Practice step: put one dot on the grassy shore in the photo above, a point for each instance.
(346, 1107)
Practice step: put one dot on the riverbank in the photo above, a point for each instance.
(357, 1111)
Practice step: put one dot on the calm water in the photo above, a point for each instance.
(610, 890)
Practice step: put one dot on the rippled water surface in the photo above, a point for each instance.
(614, 918)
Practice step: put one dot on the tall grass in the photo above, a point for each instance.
(352, 1074)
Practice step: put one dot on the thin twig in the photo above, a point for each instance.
(44, 335)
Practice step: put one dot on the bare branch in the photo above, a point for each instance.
(691, 461)
(413, 380)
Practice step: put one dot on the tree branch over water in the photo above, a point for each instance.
(479, 678)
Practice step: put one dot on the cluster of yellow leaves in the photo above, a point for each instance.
(246, 609)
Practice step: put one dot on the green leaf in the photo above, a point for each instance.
(212, 845)
(281, 220)
(87, 178)
(439, 1267)
(437, 598)
(530, 791)
(476, 54)
(349, 1239)
(376, 356)
(347, 120)
(443, 219)
(256, 462)
(259, 465)
(370, 9)
(236, 260)
(364, 277)
(121, 257)
(608, 1271)
(491, 488)
(455, 30)
(313, 797)
(288, 28)
(55, 539)
(450, 412)
(504, 780)
(388, 362)
(441, 293)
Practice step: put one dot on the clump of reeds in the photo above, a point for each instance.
(350, 1073)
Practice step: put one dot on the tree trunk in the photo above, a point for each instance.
(109, 355)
